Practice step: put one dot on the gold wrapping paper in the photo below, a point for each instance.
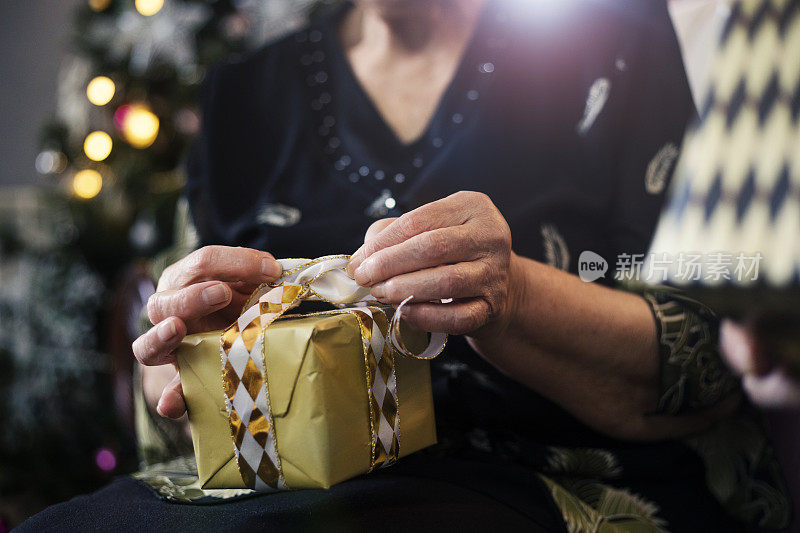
(316, 371)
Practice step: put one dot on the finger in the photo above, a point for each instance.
(223, 263)
(238, 300)
(378, 226)
(374, 228)
(155, 347)
(776, 389)
(735, 346)
(462, 280)
(742, 351)
(243, 287)
(453, 210)
(195, 301)
(454, 244)
(456, 318)
(172, 404)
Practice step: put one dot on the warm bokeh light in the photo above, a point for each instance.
(99, 5)
(140, 126)
(87, 183)
(149, 7)
(97, 145)
(100, 90)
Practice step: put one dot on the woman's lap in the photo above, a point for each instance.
(420, 493)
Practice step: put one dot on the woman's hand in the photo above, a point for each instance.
(202, 292)
(765, 381)
(591, 349)
(458, 247)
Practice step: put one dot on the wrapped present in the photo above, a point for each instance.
(306, 401)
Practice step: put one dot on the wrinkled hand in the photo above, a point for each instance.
(458, 247)
(202, 292)
(766, 383)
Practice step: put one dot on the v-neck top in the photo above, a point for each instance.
(381, 149)
(555, 113)
(569, 115)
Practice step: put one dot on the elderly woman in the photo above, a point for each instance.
(481, 146)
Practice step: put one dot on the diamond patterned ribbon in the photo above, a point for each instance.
(737, 184)
(244, 372)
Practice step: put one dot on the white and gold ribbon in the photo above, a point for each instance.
(244, 371)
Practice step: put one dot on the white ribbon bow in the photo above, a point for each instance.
(327, 280)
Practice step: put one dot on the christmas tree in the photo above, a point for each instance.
(114, 149)
(128, 111)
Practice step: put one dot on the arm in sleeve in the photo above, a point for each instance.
(692, 375)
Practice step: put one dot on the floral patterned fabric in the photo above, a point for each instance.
(587, 502)
(693, 375)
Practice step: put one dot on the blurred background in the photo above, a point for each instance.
(98, 102)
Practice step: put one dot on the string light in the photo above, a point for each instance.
(149, 7)
(140, 126)
(99, 5)
(100, 90)
(97, 145)
(87, 183)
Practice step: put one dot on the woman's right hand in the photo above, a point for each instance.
(203, 291)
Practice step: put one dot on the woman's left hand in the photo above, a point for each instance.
(458, 247)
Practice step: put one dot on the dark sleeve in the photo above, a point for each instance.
(657, 107)
(692, 373)
(232, 164)
(198, 168)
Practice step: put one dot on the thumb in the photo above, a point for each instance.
(374, 229)
(172, 404)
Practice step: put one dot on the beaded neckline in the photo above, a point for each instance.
(456, 107)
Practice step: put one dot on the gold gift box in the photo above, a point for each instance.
(316, 370)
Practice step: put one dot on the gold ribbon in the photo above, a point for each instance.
(244, 372)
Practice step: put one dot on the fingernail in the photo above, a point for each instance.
(166, 330)
(271, 268)
(362, 274)
(215, 295)
(160, 406)
(355, 260)
(378, 290)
